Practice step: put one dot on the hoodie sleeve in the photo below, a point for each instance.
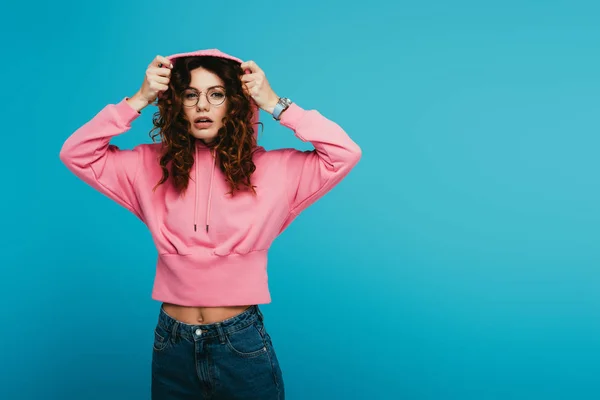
(88, 154)
(311, 174)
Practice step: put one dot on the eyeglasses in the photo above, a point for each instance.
(215, 96)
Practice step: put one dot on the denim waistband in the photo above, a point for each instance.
(217, 329)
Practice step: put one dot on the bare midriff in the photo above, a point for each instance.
(202, 315)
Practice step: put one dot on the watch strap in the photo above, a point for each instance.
(280, 107)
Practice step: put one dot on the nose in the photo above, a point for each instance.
(203, 103)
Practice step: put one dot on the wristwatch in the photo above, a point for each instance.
(280, 107)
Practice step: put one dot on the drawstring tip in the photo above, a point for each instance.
(206, 228)
(194, 227)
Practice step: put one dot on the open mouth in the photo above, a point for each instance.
(202, 122)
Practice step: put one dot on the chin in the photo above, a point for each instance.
(204, 135)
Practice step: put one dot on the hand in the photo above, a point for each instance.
(257, 86)
(158, 76)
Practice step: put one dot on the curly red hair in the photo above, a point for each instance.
(235, 142)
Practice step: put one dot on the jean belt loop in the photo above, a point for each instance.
(174, 330)
(221, 333)
(260, 314)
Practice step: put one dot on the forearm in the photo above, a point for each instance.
(137, 102)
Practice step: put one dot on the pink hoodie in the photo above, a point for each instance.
(212, 248)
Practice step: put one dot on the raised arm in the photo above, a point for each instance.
(89, 154)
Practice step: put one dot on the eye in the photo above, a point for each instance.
(216, 93)
(190, 95)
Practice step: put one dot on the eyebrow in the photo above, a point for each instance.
(208, 88)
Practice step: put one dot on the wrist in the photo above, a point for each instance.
(270, 107)
(137, 102)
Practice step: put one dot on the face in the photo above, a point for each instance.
(207, 115)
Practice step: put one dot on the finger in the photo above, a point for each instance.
(164, 62)
(251, 66)
(166, 65)
(249, 88)
(161, 80)
(160, 71)
(246, 90)
(161, 62)
(249, 77)
(162, 88)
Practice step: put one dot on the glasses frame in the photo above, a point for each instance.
(199, 92)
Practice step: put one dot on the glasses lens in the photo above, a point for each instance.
(190, 98)
(216, 96)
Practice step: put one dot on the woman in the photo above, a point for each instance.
(214, 202)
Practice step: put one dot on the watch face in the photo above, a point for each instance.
(285, 101)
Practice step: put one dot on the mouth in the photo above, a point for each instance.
(203, 122)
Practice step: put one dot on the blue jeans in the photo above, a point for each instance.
(231, 359)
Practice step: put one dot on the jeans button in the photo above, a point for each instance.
(198, 332)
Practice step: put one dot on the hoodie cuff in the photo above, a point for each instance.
(126, 112)
(292, 116)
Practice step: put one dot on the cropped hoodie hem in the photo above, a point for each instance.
(223, 280)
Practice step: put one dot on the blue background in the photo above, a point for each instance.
(458, 260)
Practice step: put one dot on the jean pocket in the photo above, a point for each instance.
(247, 342)
(161, 338)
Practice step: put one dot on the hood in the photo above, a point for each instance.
(255, 119)
(220, 54)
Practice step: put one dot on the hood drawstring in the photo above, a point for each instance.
(208, 205)
(212, 174)
(196, 191)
